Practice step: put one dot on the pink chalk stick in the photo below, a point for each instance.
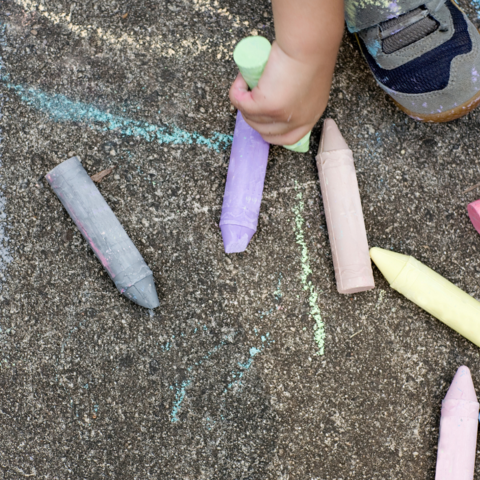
(343, 211)
(458, 430)
(474, 214)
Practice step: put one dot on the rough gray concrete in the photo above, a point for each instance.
(222, 381)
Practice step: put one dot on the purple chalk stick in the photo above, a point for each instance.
(244, 187)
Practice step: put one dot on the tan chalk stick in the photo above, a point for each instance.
(343, 211)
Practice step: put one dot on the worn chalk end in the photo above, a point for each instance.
(388, 262)
(332, 139)
(474, 214)
(357, 285)
(462, 386)
(302, 145)
(252, 52)
(251, 55)
(236, 238)
(143, 293)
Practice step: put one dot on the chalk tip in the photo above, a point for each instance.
(236, 238)
(332, 139)
(462, 386)
(388, 262)
(143, 293)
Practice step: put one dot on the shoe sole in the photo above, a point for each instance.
(442, 117)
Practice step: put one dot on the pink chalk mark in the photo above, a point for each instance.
(80, 226)
(98, 253)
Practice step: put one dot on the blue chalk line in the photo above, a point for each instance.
(238, 375)
(180, 390)
(62, 109)
(179, 397)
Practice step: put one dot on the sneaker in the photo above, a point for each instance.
(426, 56)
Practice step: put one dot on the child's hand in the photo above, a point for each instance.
(288, 100)
(293, 90)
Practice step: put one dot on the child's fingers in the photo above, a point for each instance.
(268, 120)
(241, 97)
(288, 138)
(243, 100)
(238, 89)
(268, 128)
(262, 120)
(253, 105)
(273, 128)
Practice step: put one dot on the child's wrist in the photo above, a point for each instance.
(308, 58)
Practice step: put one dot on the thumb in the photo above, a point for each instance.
(242, 98)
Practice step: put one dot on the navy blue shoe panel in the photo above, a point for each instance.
(430, 71)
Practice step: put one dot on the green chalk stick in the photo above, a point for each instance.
(302, 145)
(251, 55)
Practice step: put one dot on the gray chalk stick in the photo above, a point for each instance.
(103, 232)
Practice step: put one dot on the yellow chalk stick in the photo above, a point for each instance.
(430, 291)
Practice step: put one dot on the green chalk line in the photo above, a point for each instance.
(380, 298)
(319, 328)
